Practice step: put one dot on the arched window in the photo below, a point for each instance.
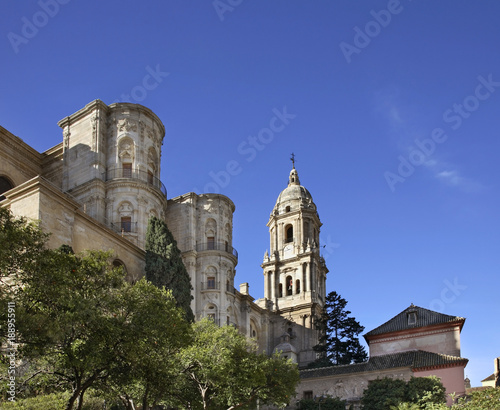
(297, 286)
(5, 185)
(289, 286)
(304, 275)
(125, 211)
(287, 209)
(253, 330)
(210, 232)
(117, 263)
(211, 312)
(126, 155)
(211, 278)
(288, 233)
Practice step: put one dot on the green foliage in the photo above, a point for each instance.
(424, 390)
(381, 394)
(487, 399)
(223, 370)
(53, 401)
(22, 244)
(326, 403)
(418, 393)
(153, 334)
(81, 326)
(68, 313)
(339, 342)
(164, 266)
(22, 247)
(406, 406)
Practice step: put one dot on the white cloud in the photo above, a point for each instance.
(451, 176)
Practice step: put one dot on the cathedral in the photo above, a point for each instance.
(99, 186)
(97, 190)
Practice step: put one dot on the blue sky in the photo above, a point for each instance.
(391, 108)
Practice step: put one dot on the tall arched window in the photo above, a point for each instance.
(125, 210)
(210, 232)
(211, 278)
(126, 155)
(297, 286)
(289, 286)
(289, 233)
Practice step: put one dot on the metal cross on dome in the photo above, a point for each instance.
(292, 158)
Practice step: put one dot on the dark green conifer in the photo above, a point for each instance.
(339, 342)
(164, 266)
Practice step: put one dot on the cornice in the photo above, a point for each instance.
(18, 145)
(220, 197)
(82, 113)
(114, 183)
(440, 366)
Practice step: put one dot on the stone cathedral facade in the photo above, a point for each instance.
(97, 190)
(99, 186)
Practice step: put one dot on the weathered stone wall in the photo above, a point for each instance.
(444, 340)
(62, 217)
(19, 162)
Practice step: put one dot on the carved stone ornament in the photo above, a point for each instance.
(125, 208)
(67, 134)
(126, 125)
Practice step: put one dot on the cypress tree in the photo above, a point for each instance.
(164, 266)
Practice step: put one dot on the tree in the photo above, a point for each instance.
(339, 342)
(223, 371)
(164, 266)
(425, 390)
(69, 314)
(417, 393)
(154, 333)
(382, 394)
(480, 400)
(22, 246)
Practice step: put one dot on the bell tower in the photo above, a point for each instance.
(294, 271)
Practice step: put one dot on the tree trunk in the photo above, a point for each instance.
(80, 400)
(72, 399)
(145, 399)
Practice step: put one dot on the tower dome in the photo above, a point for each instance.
(294, 196)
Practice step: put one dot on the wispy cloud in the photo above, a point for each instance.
(449, 175)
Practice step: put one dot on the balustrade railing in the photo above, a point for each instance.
(144, 176)
(216, 246)
(210, 285)
(124, 227)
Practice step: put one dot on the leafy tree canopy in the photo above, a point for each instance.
(480, 400)
(223, 371)
(417, 393)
